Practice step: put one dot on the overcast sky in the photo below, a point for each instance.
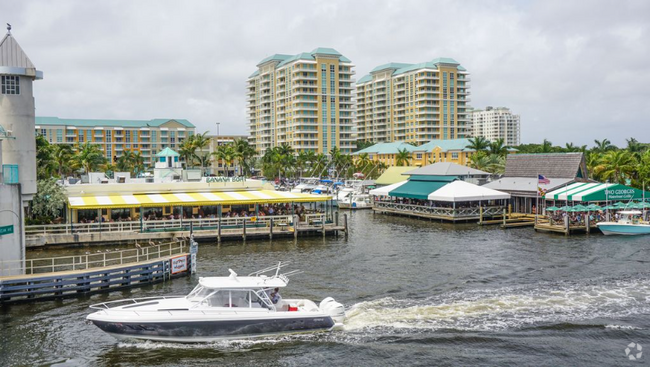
(574, 70)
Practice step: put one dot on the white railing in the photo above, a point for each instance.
(470, 212)
(142, 252)
(227, 224)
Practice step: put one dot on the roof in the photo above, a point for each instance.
(13, 60)
(446, 169)
(446, 145)
(393, 174)
(594, 191)
(286, 59)
(56, 121)
(464, 191)
(167, 152)
(421, 187)
(559, 165)
(386, 148)
(524, 185)
(384, 191)
(237, 282)
(401, 68)
(191, 199)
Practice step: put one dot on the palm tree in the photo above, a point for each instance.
(88, 156)
(403, 157)
(478, 144)
(603, 146)
(226, 153)
(617, 166)
(61, 155)
(498, 147)
(125, 162)
(246, 153)
(546, 147)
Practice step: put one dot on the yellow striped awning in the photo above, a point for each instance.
(191, 199)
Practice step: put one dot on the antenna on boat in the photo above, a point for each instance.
(278, 270)
(233, 275)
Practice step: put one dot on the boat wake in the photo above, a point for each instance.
(506, 308)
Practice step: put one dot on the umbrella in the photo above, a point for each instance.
(620, 205)
(645, 205)
(565, 208)
(593, 208)
(578, 208)
(552, 208)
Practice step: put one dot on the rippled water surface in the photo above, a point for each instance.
(417, 293)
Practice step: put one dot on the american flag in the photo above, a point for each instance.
(542, 180)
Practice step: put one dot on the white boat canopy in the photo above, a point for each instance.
(464, 191)
(383, 191)
(235, 282)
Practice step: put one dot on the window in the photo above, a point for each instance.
(10, 84)
(454, 155)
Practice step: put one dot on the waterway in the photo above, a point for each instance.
(417, 293)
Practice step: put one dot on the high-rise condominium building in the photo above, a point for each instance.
(495, 123)
(115, 137)
(303, 100)
(414, 103)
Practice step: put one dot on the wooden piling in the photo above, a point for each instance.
(219, 231)
(271, 229)
(244, 229)
(295, 226)
(345, 224)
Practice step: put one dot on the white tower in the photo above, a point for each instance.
(17, 113)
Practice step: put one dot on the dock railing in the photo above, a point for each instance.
(471, 212)
(89, 260)
(227, 225)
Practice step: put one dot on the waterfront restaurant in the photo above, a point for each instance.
(444, 197)
(213, 197)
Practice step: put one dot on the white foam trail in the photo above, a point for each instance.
(506, 308)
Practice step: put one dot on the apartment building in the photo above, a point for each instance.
(414, 103)
(494, 123)
(304, 100)
(434, 151)
(118, 136)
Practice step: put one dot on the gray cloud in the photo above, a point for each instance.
(575, 71)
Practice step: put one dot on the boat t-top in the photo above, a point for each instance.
(629, 223)
(217, 308)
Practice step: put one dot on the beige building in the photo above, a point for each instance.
(303, 100)
(414, 103)
(494, 123)
(115, 137)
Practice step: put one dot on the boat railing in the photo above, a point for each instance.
(120, 302)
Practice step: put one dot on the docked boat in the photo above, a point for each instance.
(230, 307)
(629, 223)
(355, 200)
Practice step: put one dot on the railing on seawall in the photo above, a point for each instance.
(94, 259)
(469, 212)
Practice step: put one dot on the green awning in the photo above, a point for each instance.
(593, 191)
(419, 187)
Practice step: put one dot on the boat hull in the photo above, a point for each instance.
(206, 331)
(623, 229)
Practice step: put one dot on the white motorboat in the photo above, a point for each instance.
(355, 200)
(630, 224)
(230, 307)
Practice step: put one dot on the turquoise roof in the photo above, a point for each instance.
(275, 57)
(55, 121)
(364, 79)
(387, 148)
(256, 73)
(391, 65)
(401, 68)
(286, 59)
(167, 152)
(445, 145)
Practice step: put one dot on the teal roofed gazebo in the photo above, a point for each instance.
(168, 152)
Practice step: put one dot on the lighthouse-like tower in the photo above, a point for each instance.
(17, 114)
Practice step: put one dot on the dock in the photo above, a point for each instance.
(511, 220)
(545, 225)
(439, 213)
(207, 229)
(61, 277)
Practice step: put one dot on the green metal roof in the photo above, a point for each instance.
(256, 73)
(387, 148)
(56, 121)
(445, 145)
(364, 79)
(401, 68)
(286, 59)
(393, 175)
(167, 152)
(419, 188)
(274, 57)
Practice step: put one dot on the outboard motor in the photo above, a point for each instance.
(334, 309)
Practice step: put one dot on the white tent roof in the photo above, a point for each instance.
(464, 191)
(383, 191)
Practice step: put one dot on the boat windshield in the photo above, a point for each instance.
(232, 298)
